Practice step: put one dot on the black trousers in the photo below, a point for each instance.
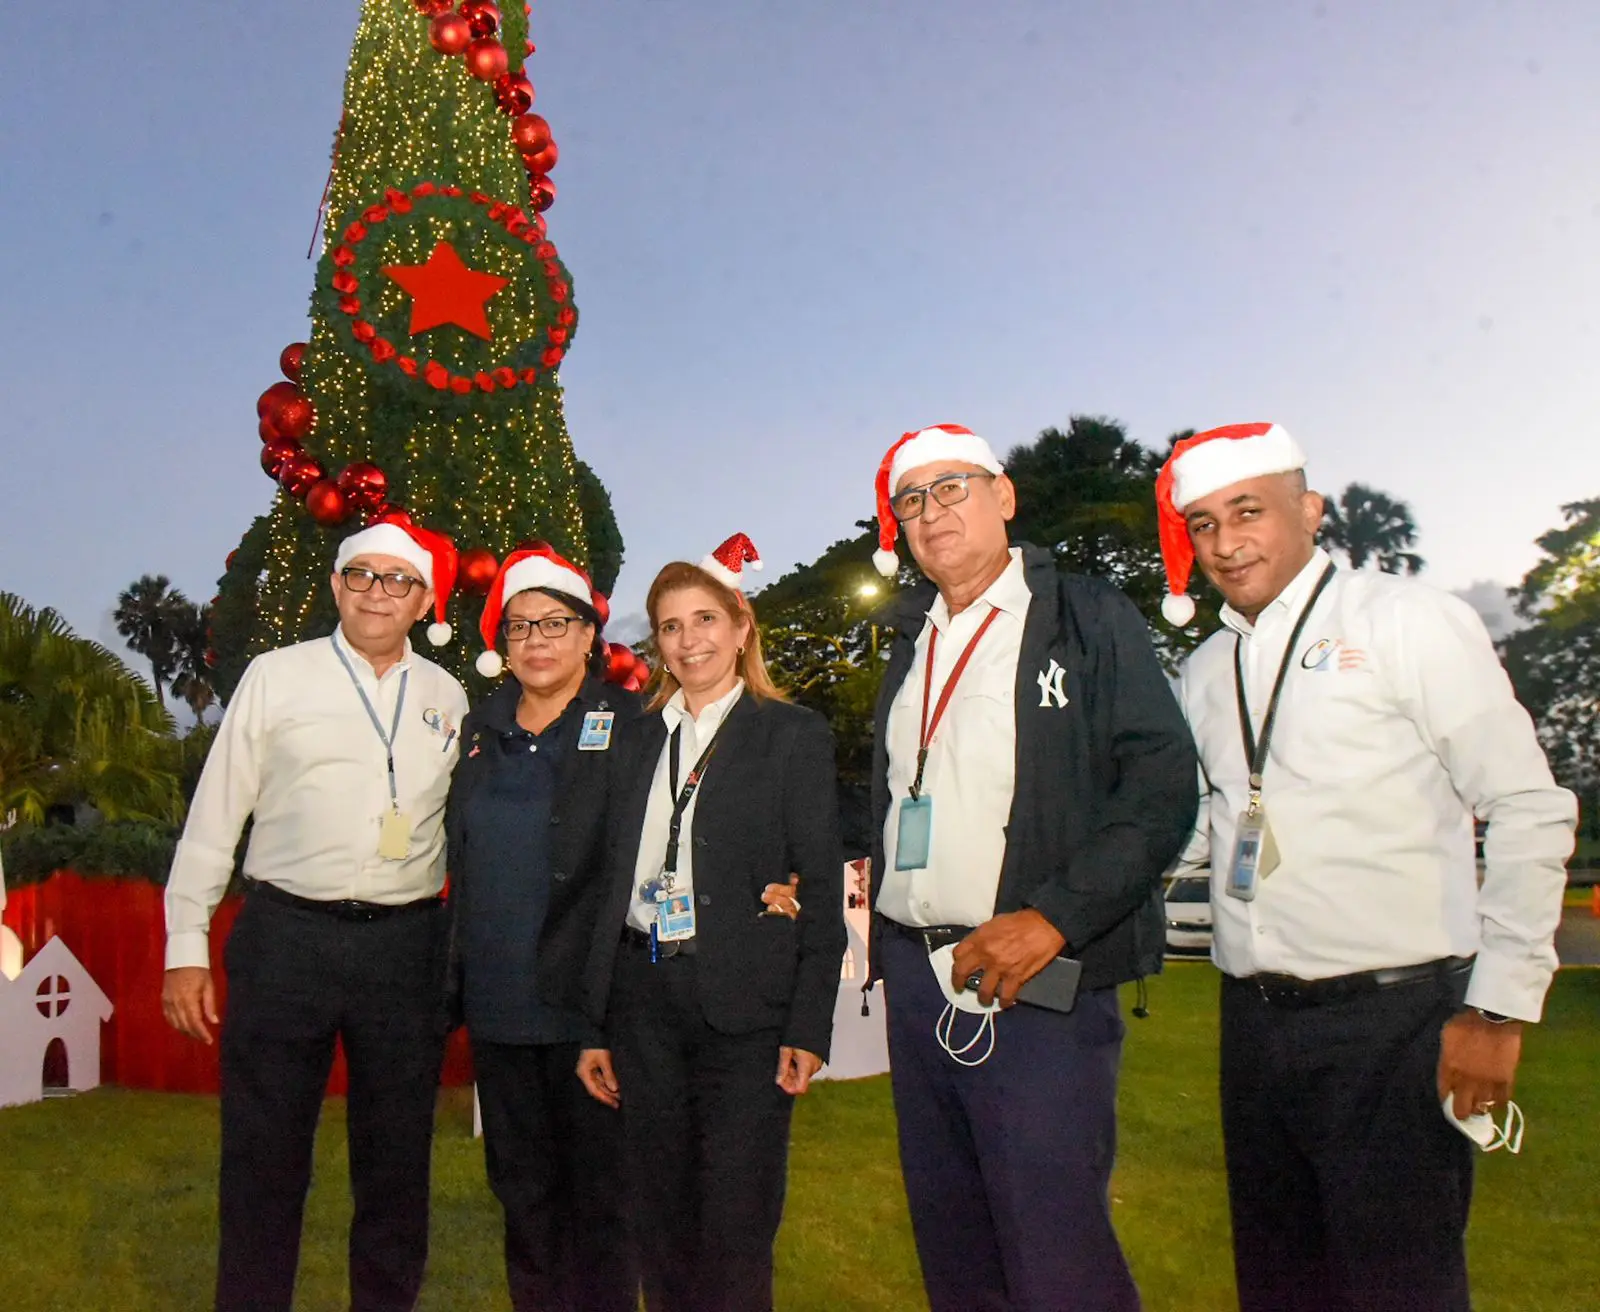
(1349, 1190)
(707, 1132)
(555, 1163)
(297, 980)
(1007, 1164)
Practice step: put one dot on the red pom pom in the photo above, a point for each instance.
(363, 331)
(530, 134)
(364, 485)
(476, 569)
(274, 452)
(459, 385)
(552, 357)
(450, 33)
(343, 256)
(326, 503)
(487, 59)
(567, 316)
(290, 361)
(436, 375)
(298, 473)
(383, 350)
(484, 381)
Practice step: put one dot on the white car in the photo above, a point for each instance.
(1188, 906)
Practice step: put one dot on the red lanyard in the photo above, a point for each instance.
(931, 728)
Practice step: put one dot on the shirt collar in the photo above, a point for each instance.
(1009, 593)
(1288, 601)
(343, 643)
(675, 712)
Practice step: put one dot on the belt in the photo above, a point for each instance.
(639, 941)
(929, 937)
(342, 908)
(1288, 991)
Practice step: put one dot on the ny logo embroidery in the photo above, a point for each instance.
(1051, 687)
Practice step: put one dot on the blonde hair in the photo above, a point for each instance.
(750, 667)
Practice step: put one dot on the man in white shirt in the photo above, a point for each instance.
(1350, 727)
(1032, 778)
(340, 750)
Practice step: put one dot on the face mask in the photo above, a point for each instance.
(956, 1000)
(1481, 1129)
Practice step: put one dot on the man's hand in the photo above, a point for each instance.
(796, 1066)
(189, 1000)
(782, 899)
(1010, 950)
(594, 1069)
(1478, 1062)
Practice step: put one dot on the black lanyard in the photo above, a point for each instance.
(387, 739)
(1255, 752)
(682, 800)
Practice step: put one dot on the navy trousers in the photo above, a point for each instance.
(1008, 1164)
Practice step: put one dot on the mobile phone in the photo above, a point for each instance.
(1054, 988)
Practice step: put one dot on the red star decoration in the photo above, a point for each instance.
(445, 291)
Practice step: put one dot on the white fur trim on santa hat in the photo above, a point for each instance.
(541, 572)
(489, 664)
(385, 540)
(933, 444)
(1210, 466)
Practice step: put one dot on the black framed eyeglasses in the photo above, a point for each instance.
(949, 490)
(551, 626)
(394, 585)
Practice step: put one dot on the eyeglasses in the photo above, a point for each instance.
(551, 626)
(394, 585)
(951, 490)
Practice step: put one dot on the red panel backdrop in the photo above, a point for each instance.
(117, 928)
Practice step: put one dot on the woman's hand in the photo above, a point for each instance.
(782, 899)
(796, 1066)
(594, 1069)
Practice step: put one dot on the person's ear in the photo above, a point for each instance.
(423, 606)
(337, 584)
(1006, 492)
(1312, 507)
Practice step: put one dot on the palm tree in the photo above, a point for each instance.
(1368, 525)
(192, 679)
(147, 615)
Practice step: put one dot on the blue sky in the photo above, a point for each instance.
(797, 229)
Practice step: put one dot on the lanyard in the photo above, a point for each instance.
(387, 739)
(1255, 752)
(929, 728)
(681, 800)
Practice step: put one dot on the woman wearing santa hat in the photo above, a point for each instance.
(526, 824)
(716, 995)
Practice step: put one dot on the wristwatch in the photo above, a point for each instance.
(1494, 1017)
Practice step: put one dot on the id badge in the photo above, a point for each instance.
(1255, 856)
(394, 836)
(913, 832)
(674, 916)
(595, 735)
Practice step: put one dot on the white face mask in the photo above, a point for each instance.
(1482, 1130)
(956, 1000)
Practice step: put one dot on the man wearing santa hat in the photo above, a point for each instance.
(340, 751)
(1032, 779)
(1350, 726)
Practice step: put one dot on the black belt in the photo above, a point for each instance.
(340, 909)
(1288, 991)
(639, 941)
(928, 937)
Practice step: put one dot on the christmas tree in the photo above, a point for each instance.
(439, 318)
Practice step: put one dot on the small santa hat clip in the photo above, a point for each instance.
(912, 450)
(1197, 467)
(536, 566)
(434, 554)
(727, 563)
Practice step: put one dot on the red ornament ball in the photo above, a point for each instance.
(475, 570)
(513, 93)
(483, 16)
(290, 361)
(487, 59)
(450, 33)
(267, 429)
(297, 474)
(544, 194)
(294, 417)
(326, 503)
(275, 451)
(433, 8)
(363, 484)
(544, 161)
(530, 133)
(275, 394)
(390, 512)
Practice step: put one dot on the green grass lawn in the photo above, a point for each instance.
(109, 1199)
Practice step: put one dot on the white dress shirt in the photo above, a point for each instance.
(1396, 726)
(297, 750)
(697, 731)
(972, 762)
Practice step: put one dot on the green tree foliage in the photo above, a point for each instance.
(76, 725)
(192, 674)
(149, 615)
(1365, 525)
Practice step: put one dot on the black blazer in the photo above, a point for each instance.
(577, 839)
(768, 807)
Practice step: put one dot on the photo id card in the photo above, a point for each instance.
(1255, 856)
(913, 833)
(595, 736)
(394, 836)
(674, 917)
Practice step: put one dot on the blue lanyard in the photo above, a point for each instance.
(387, 739)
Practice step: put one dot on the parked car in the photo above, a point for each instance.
(1188, 903)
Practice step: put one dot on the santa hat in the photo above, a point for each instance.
(533, 567)
(1197, 467)
(727, 563)
(924, 446)
(432, 553)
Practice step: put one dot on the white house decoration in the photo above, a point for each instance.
(50, 1013)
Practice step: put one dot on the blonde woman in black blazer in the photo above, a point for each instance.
(712, 1033)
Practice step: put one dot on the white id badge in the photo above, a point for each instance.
(394, 836)
(913, 832)
(595, 736)
(1255, 856)
(674, 916)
